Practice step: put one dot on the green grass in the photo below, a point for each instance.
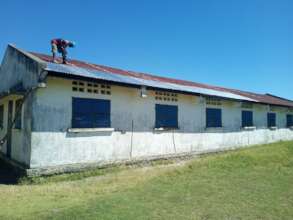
(253, 183)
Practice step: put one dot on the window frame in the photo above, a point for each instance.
(289, 123)
(247, 122)
(274, 124)
(170, 124)
(91, 116)
(214, 124)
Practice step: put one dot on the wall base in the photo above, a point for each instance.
(73, 168)
(16, 167)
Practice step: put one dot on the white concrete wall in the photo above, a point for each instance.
(18, 68)
(3, 131)
(20, 138)
(53, 145)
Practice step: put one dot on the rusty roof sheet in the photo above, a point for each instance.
(84, 69)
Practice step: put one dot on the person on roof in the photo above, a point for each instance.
(60, 45)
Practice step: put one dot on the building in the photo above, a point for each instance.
(83, 113)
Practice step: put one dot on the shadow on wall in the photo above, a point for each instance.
(89, 134)
(56, 120)
(8, 175)
(157, 132)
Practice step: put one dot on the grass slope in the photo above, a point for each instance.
(254, 183)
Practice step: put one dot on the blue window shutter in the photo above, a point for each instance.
(247, 118)
(166, 116)
(90, 113)
(213, 118)
(289, 120)
(271, 119)
(102, 113)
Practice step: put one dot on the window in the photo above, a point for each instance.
(247, 119)
(166, 116)
(271, 119)
(79, 86)
(90, 113)
(247, 105)
(18, 114)
(289, 120)
(166, 96)
(213, 101)
(274, 108)
(213, 118)
(1, 116)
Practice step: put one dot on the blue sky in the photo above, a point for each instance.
(243, 44)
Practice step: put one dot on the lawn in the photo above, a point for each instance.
(252, 183)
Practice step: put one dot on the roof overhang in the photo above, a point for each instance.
(11, 94)
(71, 71)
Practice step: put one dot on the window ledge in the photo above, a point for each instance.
(79, 130)
(249, 128)
(273, 128)
(166, 129)
(214, 128)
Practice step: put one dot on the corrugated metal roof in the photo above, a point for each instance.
(84, 69)
(90, 73)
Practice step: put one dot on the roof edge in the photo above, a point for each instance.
(88, 67)
(76, 77)
(278, 97)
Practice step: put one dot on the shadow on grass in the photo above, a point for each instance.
(8, 175)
